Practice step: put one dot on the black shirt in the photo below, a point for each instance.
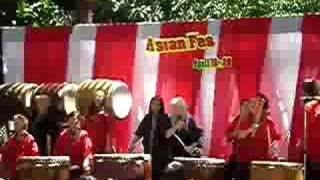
(145, 128)
(189, 136)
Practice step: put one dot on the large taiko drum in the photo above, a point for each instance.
(21, 92)
(65, 91)
(122, 166)
(14, 98)
(202, 168)
(265, 170)
(118, 99)
(44, 168)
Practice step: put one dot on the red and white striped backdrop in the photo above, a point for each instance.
(269, 55)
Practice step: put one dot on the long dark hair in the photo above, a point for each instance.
(157, 98)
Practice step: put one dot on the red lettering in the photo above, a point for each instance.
(210, 42)
(227, 61)
(150, 45)
(172, 45)
(192, 41)
(181, 44)
(165, 44)
(201, 43)
(159, 46)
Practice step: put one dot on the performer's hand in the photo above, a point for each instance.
(87, 170)
(131, 148)
(180, 125)
(189, 149)
(108, 150)
(244, 110)
(23, 165)
(74, 167)
(244, 133)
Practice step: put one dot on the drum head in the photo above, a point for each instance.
(121, 102)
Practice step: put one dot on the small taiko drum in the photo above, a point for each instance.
(43, 168)
(122, 166)
(202, 168)
(265, 170)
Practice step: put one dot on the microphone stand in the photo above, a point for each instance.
(305, 144)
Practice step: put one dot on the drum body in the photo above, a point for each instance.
(44, 168)
(118, 99)
(15, 98)
(122, 166)
(60, 91)
(202, 168)
(264, 170)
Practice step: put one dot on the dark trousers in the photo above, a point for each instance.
(159, 161)
(238, 171)
(313, 170)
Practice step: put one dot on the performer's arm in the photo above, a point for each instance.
(231, 131)
(196, 134)
(138, 134)
(108, 137)
(171, 130)
(57, 150)
(275, 133)
(34, 148)
(87, 154)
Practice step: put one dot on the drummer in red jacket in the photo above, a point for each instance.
(253, 135)
(75, 143)
(98, 124)
(21, 144)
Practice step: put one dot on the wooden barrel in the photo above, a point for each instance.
(57, 91)
(118, 99)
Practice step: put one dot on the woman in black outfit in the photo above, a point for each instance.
(155, 131)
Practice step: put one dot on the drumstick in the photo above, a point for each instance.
(180, 141)
(114, 149)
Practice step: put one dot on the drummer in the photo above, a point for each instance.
(75, 143)
(154, 129)
(252, 134)
(21, 144)
(98, 125)
(190, 134)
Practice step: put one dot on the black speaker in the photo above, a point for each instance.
(1, 59)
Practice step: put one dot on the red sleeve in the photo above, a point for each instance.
(313, 108)
(33, 148)
(84, 123)
(107, 124)
(275, 133)
(1, 149)
(231, 127)
(87, 147)
(58, 147)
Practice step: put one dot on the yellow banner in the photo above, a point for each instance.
(191, 42)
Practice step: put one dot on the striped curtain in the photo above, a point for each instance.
(271, 55)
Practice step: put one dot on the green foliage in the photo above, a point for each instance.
(41, 13)
(187, 10)
(48, 13)
(157, 10)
